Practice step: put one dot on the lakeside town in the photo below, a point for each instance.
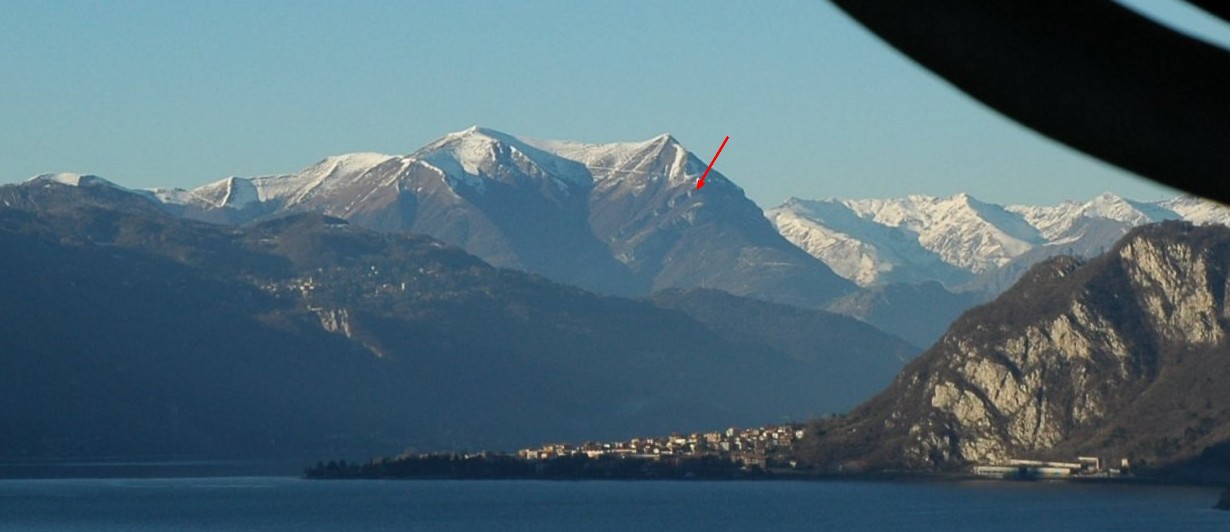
(757, 447)
(730, 454)
(734, 453)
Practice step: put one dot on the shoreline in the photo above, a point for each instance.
(789, 475)
(294, 468)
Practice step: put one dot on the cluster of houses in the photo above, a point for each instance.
(1083, 467)
(752, 447)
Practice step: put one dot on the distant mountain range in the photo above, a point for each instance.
(126, 331)
(622, 219)
(1123, 355)
(948, 254)
(962, 242)
(626, 219)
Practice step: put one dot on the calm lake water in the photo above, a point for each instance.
(271, 503)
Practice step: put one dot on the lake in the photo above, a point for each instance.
(284, 503)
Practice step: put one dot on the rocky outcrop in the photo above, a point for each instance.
(1078, 356)
(339, 321)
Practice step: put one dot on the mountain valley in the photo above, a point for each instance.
(490, 292)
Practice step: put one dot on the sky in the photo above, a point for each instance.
(178, 94)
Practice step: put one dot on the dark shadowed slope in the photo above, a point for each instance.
(130, 332)
(842, 345)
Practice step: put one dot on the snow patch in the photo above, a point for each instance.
(74, 180)
(478, 154)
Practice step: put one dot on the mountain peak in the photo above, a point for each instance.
(477, 133)
(1116, 207)
(1107, 198)
(665, 139)
(471, 155)
(73, 180)
(483, 132)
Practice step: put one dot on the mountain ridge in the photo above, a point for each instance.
(1120, 355)
(864, 247)
(899, 250)
(624, 219)
(617, 218)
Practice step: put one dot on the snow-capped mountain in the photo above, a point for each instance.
(916, 239)
(240, 200)
(1198, 210)
(913, 239)
(960, 240)
(1061, 222)
(71, 179)
(101, 193)
(621, 218)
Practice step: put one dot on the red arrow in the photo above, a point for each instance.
(701, 182)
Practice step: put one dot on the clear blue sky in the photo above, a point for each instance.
(181, 93)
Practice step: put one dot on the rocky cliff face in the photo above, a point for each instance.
(1079, 356)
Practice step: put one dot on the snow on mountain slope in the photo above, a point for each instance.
(621, 218)
(470, 159)
(1198, 210)
(74, 180)
(283, 190)
(977, 237)
(478, 154)
(858, 248)
(848, 255)
(588, 213)
(173, 196)
(233, 192)
(963, 231)
(661, 157)
(1114, 207)
(918, 232)
(1056, 222)
(90, 181)
(320, 178)
(1051, 221)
